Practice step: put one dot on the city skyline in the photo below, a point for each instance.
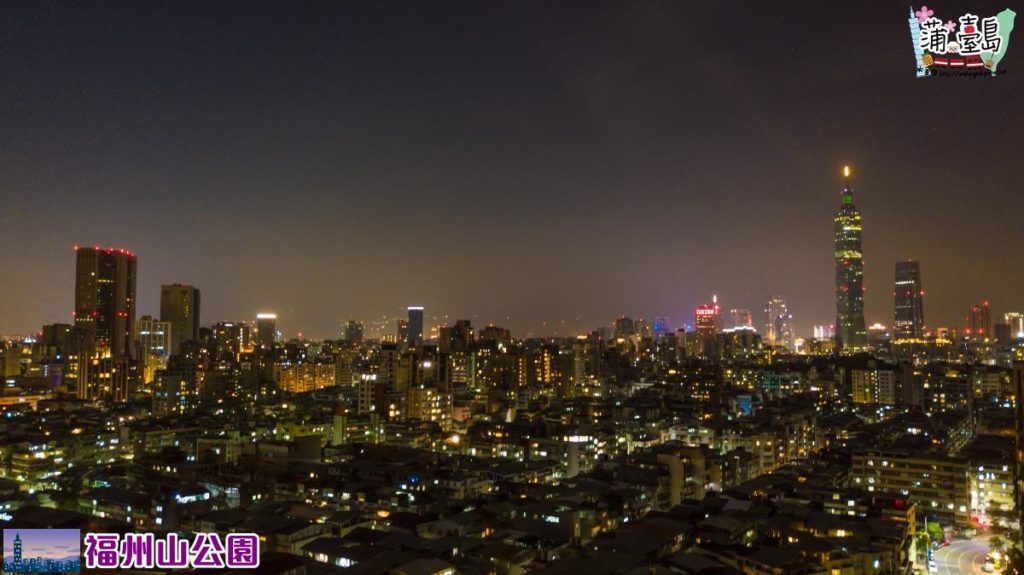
(45, 543)
(599, 160)
(436, 319)
(464, 288)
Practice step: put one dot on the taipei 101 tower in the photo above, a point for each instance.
(851, 336)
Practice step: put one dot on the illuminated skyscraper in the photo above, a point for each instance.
(105, 298)
(706, 317)
(979, 322)
(706, 321)
(154, 339)
(779, 327)
(179, 306)
(415, 334)
(851, 335)
(1016, 323)
(266, 329)
(909, 309)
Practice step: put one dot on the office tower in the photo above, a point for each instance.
(779, 326)
(179, 305)
(851, 335)
(153, 336)
(414, 336)
(908, 320)
(354, 332)
(706, 317)
(105, 298)
(152, 344)
(741, 318)
(978, 322)
(1016, 322)
(266, 330)
(706, 320)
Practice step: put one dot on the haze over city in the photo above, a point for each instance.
(549, 165)
(494, 288)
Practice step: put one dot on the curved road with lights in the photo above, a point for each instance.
(962, 556)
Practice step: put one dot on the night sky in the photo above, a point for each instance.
(516, 163)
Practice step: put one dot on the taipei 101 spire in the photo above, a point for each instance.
(851, 336)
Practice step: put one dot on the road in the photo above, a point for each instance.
(962, 556)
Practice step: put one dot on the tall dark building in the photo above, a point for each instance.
(266, 330)
(456, 338)
(908, 321)
(415, 334)
(105, 298)
(978, 322)
(354, 332)
(179, 306)
(851, 334)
